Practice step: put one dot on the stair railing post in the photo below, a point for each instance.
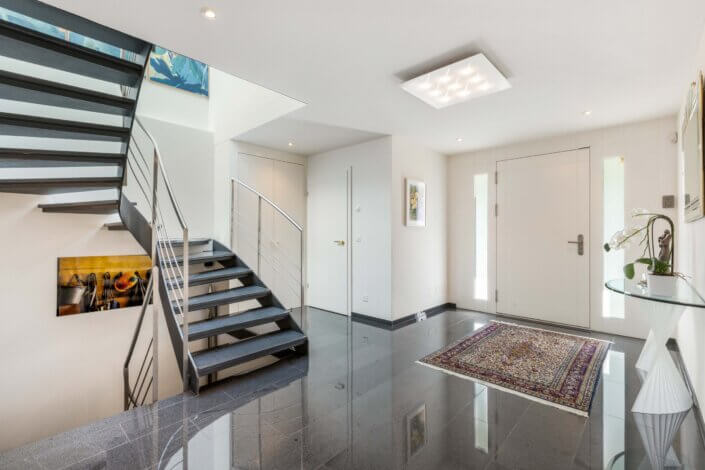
(155, 335)
(259, 236)
(301, 278)
(184, 303)
(156, 303)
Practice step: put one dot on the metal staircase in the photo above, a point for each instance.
(50, 39)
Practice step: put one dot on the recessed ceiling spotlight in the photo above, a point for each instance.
(457, 82)
(291, 144)
(208, 13)
(587, 113)
(459, 139)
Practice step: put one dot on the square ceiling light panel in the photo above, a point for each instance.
(458, 82)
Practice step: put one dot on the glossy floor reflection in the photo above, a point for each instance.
(359, 401)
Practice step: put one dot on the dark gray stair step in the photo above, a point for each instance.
(225, 297)
(192, 242)
(58, 185)
(206, 257)
(235, 322)
(28, 45)
(62, 157)
(57, 17)
(29, 89)
(83, 207)
(222, 357)
(114, 226)
(215, 275)
(38, 126)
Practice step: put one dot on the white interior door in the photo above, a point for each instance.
(543, 207)
(328, 241)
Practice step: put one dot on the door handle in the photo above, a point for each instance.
(581, 243)
(339, 242)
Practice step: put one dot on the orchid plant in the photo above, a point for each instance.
(660, 263)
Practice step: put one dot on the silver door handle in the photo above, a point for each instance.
(339, 242)
(581, 243)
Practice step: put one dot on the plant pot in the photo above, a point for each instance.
(663, 285)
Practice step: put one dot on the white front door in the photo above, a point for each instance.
(543, 209)
(328, 212)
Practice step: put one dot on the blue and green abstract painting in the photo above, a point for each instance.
(178, 71)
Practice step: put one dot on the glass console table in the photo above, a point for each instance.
(663, 390)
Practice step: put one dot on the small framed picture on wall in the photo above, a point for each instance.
(415, 203)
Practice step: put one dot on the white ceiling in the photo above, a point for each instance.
(309, 138)
(625, 60)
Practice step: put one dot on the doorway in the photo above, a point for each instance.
(543, 249)
(329, 240)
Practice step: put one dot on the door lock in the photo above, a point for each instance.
(339, 242)
(580, 242)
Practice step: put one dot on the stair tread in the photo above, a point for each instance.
(71, 22)
(214, 275)
(25, 88)
(230, 296)
(222, 357)
(234, 322)
(191, 242)
(58, 185)
(17, 119)
(69, 48)
(32, 46)
(82, 207)
(115, 226)
(48, 154)
(206, 256)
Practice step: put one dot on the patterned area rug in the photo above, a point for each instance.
(557, 369)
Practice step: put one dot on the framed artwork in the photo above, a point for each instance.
(96, 283)
(416, 431)
(415, 203)
(178, 71)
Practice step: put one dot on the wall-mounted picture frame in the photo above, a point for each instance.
(693, 156)
(416, 431)
(415, 203)
(98, 283)
(178, 71)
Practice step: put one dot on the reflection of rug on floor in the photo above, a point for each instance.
(557, 369)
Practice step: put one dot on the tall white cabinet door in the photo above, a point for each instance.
(289, 195)
(279, 259)
(543, 205)
(257, 173)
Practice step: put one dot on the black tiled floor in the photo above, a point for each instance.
(345, 406)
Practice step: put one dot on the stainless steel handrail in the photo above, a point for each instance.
(160, 167)
(261, 197)
(164, 259)
(267, 200)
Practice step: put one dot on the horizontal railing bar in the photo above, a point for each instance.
(268, 201)
(170, 192)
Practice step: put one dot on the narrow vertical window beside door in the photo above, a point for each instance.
(480, 183)
(612, 220)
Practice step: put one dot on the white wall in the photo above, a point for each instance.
(690, 251)
(236, 106)
(650, 172)
(371, 164)
(419, 267)
(169, 104)
(61, 372)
